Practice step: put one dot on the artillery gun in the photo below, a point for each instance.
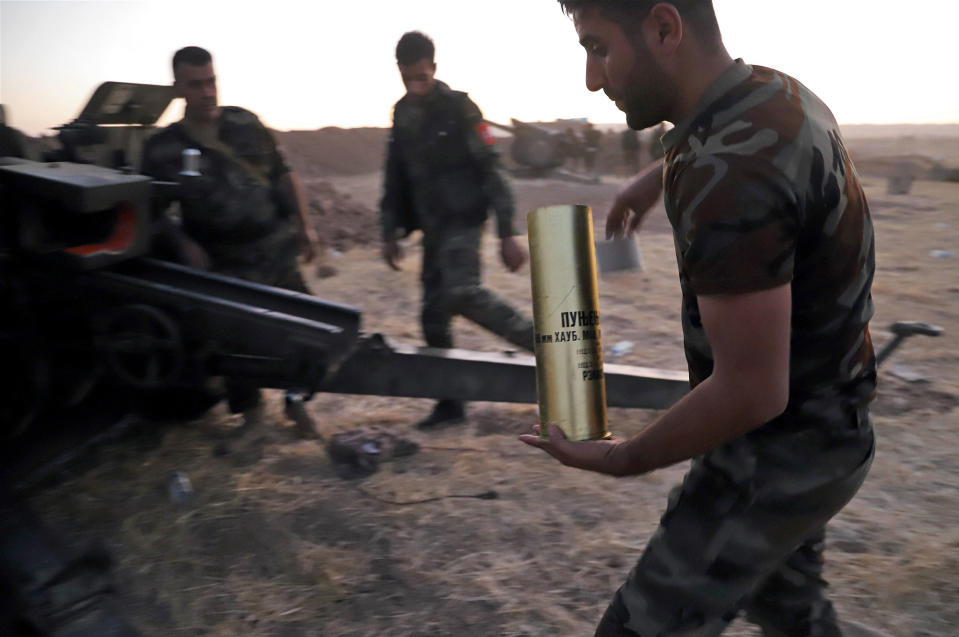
(539, 151)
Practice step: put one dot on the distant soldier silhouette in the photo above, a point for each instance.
(592, 139)
(573, 145)
(630, 145)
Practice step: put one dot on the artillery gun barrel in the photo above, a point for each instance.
(284, 339)
(383, 369)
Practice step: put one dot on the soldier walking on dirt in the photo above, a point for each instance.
(592, 139)
(775, 249)
(442, 176)
(573, 145)
(629, 144)
(244, 215)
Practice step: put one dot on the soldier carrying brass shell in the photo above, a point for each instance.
(774, 243)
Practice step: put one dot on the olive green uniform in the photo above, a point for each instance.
(235, 209)
(442, 177)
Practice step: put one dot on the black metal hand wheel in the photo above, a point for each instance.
(142, 345)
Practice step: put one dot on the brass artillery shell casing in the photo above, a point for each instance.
(570, 387)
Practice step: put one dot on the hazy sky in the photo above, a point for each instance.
(308, 64)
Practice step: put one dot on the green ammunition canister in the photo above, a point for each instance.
(570, 387)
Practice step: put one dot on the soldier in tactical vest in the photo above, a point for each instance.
(442, 177)
(775, 252)
(244, 215)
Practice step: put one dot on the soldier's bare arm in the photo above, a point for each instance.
(634, 201)
(749, 386)
(192, 253)
(183, 249)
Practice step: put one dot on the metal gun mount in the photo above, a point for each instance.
(111, 128)
(127, 104)
(902, 330)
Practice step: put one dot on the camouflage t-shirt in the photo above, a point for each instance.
(760, 192)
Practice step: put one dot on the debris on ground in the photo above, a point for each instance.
(357, 453)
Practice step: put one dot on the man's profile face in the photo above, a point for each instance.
(197, 85)
(418, 77)
(623, 68)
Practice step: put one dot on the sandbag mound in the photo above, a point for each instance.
(340, 222)
(334, 151)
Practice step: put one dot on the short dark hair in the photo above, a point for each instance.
(698, 13)
(413, 47)
(192, 55)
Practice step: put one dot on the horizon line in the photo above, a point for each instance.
(598, 123)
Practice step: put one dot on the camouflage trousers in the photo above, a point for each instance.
(451, 287)
(745, 532)
(269, 261)
(243, 395)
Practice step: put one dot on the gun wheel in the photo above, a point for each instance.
(143, 346)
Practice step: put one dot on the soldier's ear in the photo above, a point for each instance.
(664, 29)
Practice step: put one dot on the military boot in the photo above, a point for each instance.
(295, 409)
(252, 419)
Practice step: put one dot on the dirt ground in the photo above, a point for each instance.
(275, 543)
